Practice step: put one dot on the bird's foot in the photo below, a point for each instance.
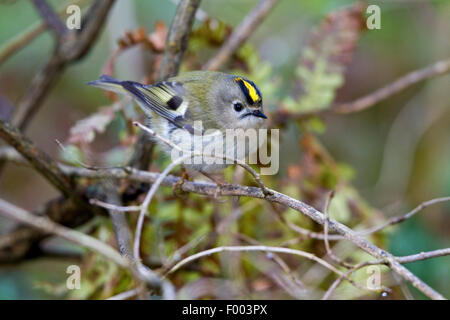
(176, 188)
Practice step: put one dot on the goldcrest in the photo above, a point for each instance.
(198, 103)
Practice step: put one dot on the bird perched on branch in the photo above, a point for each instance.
(199, 104)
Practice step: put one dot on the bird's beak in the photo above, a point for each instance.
(258, 113)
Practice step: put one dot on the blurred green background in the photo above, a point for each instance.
(399, 149)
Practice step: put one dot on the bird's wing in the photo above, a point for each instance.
(164, 98)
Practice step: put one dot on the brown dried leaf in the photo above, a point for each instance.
(336, 37)
(157, 39)
(322, 65)
(84, 131)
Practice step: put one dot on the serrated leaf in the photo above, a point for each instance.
(322, 64)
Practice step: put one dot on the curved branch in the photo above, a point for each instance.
(210, 189)
(37, 158)
(241, 34)
(11, 211)
(50, 17)
(436, 69)
(70, 49)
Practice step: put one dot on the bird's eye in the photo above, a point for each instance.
(238, 107)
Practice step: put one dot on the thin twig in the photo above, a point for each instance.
(146, 203)
(325, 233)
(264, 249)
(125, 295)
(336, 283)
(110, 206)
(190, 154)
(396, 220)
(436, 69)
(302, 231)
(403, 260)
(39, 160)
(416, 257)
(241, 34)
(283, 265)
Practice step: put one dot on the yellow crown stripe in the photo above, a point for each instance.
(251, 90)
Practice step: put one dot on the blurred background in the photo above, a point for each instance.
(395, 154)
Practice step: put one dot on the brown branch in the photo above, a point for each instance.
(436, 69)
(70, 49)
(48, 226)
(38, 159)
(175, 47)
(241, 34)
(24, 38)
(92, 23)
(237, 190)
(39, 88)
(23, 241)
(282, 116)
(51, 171)
(405, 259)
(51, 18)
(11, 211)
(210, 189)
(330, 253)
(178, 37)
(21, 41)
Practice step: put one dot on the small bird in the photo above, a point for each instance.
(196, 101)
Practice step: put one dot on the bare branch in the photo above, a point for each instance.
(24, 38)
(114, 207)
(252, 248)
(38, 159)
(125, 295)
(424, 256)
(22, 241)
(403, 260)
(48, 226)
(20, 41)
(241, 34)
(51, 18)
(176, 46)
(80, 44)
(193, 154)
(178, 38)
(396, 220)
(325, 233)
(210, 189)
(436, 69)
(74, 47)
(264, 249)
